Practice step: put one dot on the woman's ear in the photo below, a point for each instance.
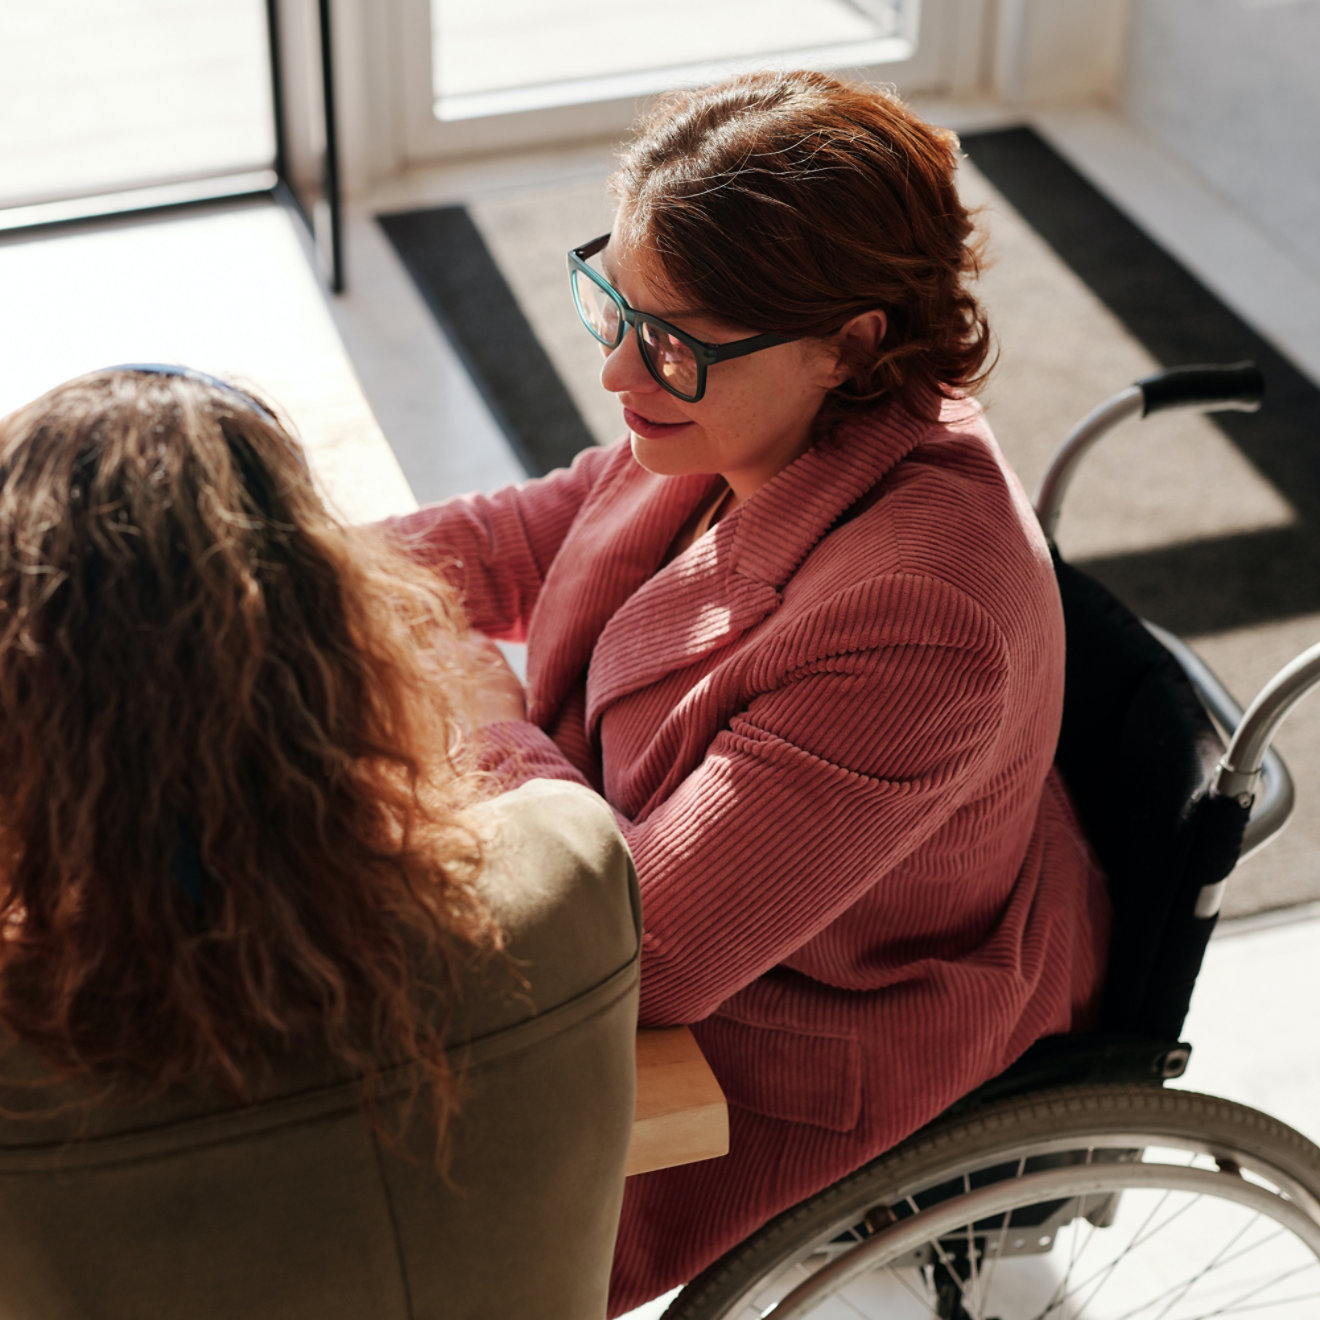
(859, 340)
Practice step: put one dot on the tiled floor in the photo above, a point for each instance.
(231, 291)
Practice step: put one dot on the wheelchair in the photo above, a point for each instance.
(1076, 1186)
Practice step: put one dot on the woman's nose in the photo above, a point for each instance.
(623, 370)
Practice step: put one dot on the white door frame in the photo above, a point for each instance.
(948, 57)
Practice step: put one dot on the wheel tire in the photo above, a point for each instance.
(1041, 1132)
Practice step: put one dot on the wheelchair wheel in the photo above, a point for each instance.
(1085, 1203)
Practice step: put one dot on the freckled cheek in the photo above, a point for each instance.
(750, 418)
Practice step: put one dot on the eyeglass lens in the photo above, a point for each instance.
(670, 359)
(600, 313)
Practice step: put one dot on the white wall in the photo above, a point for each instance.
(366, 47)
(1233, 87)
(1049, 51)
(384, 97)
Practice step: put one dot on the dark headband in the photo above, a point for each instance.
(169, 369)
(204, 378)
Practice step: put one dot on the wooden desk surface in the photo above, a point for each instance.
(681, 1115)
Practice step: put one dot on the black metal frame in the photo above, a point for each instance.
(327, 244)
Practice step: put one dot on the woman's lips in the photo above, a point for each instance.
(648, 429)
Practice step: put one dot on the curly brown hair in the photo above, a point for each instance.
(791, 202)
(232, 788)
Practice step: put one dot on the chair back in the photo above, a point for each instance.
(295, 1207)
(1137, 751)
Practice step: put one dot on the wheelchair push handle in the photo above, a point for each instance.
(1251, 770)
(1238, 386)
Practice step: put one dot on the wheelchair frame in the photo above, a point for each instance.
(1038, 1157)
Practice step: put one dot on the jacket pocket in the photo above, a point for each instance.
(795, 1076)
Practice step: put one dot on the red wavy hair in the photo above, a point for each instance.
(791, 202)
(231, 773)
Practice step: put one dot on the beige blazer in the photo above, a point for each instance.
(293, 1207)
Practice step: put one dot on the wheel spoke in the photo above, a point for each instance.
(1076, 1250)
(1003, 1232)
(1104, 1273)
(949, 1266)
(1215, 1219)
(973, 1273)
(1235, 1307)
(860, 1314)
(1255, 1308)
(1173, 1294)
(899, 1275)
(1223, 1258)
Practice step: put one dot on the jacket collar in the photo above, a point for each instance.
(613, 548)
(652, 620)
(784, 521)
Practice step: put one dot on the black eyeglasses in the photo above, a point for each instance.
(673, 357)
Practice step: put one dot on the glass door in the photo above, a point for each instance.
(306, 145)
(508, 73)
(102, 99)
(143, 104)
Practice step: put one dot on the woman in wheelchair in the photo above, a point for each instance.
(284, 983)
(800, 629)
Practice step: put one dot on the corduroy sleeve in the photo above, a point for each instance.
(785, 824)
(496, 548)
(810, 796)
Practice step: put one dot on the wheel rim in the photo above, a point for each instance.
(1197, 1232)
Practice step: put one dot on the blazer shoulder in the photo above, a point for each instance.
(954, 511)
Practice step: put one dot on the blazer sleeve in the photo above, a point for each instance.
(811, 795)
(497, 548)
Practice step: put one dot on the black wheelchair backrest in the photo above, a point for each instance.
(1137, 751)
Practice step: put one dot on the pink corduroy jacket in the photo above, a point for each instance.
(826, 729)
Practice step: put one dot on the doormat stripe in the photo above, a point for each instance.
(1179, 321)
(1161, 304)
(462, 284)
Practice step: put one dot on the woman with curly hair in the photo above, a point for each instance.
(299, 1015)
(801, 630)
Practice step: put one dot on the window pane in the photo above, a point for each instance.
(98, 95)
(503, 45)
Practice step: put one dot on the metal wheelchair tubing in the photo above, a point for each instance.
(1239, 387)
(1030, 1189)
(1271, 786)
(1250, 770)
(1053, 485)
(1251, 740)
